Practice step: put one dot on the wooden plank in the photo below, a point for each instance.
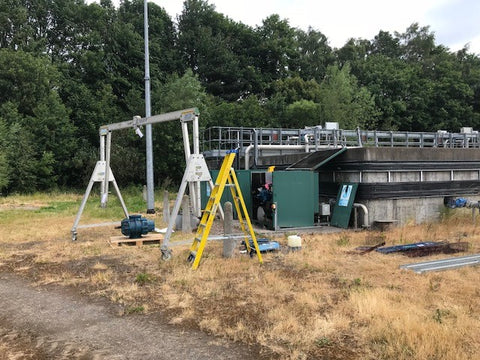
(144, 240)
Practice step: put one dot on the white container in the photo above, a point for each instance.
(331, 125)
(325, 209)
(294, 241)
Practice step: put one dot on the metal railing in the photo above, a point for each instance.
(217, 139)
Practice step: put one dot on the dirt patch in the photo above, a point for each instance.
(48, 322)
(16, 206)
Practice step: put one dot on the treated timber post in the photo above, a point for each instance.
(228, 242)
(186, 218)
(166, 207)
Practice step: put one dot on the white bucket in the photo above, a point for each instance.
(294, 241)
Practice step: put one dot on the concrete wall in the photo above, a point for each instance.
(403, 211)
(405, 166)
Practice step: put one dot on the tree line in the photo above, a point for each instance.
(67, 68)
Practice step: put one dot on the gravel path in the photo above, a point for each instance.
(52, 323)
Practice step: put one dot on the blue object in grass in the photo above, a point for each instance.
(406, 247)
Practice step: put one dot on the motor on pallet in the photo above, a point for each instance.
(454, 203)
(136, 226)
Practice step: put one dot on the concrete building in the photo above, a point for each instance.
(401, 177)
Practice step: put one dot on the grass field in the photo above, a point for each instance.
(320, 302)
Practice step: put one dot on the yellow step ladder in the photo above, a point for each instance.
(226, 177)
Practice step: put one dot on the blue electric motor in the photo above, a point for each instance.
(136, 226)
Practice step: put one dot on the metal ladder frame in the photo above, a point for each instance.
(226, 177)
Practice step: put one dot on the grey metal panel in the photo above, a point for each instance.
(316, 159)
(445, 264)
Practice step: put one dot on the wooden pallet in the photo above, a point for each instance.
(148, 239)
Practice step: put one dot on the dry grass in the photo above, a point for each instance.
(321, 302)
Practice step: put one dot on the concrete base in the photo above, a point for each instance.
(403, 211)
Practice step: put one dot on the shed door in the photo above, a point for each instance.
(296, 196)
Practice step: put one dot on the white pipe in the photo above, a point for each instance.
(247, 156)
(271, 147)
(365, 213)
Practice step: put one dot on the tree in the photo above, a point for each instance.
(345, 102)
(451, 101)
(25, 80)
(417, 43)
(35, 115)
(387, 45)
(4, 167)
(14, 28)
(164, 56)
(353, 52)
(388, 80)
(295, 88)
(276, 52)
(470, 68)
(177, 94)
(19, 151)
(218, 50)
(315, 55)
(302, 113)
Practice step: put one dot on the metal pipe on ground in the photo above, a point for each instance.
(444, 264)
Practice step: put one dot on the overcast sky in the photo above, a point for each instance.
(454, 22)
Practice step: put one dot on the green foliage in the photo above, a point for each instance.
(41, 137)
(323, 342)
(25, 80)
(143, 278)
(314, 55)
(295, 89)
(345, 102)
(220, 51)
(440, 315)
(4, 166)
(67, 68)
(247, 112)
(134, 309)
(22, 160)
(343, 240)
(302, 113)
(276, 50)
(180, 92)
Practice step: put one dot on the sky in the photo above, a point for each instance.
(455, 23)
